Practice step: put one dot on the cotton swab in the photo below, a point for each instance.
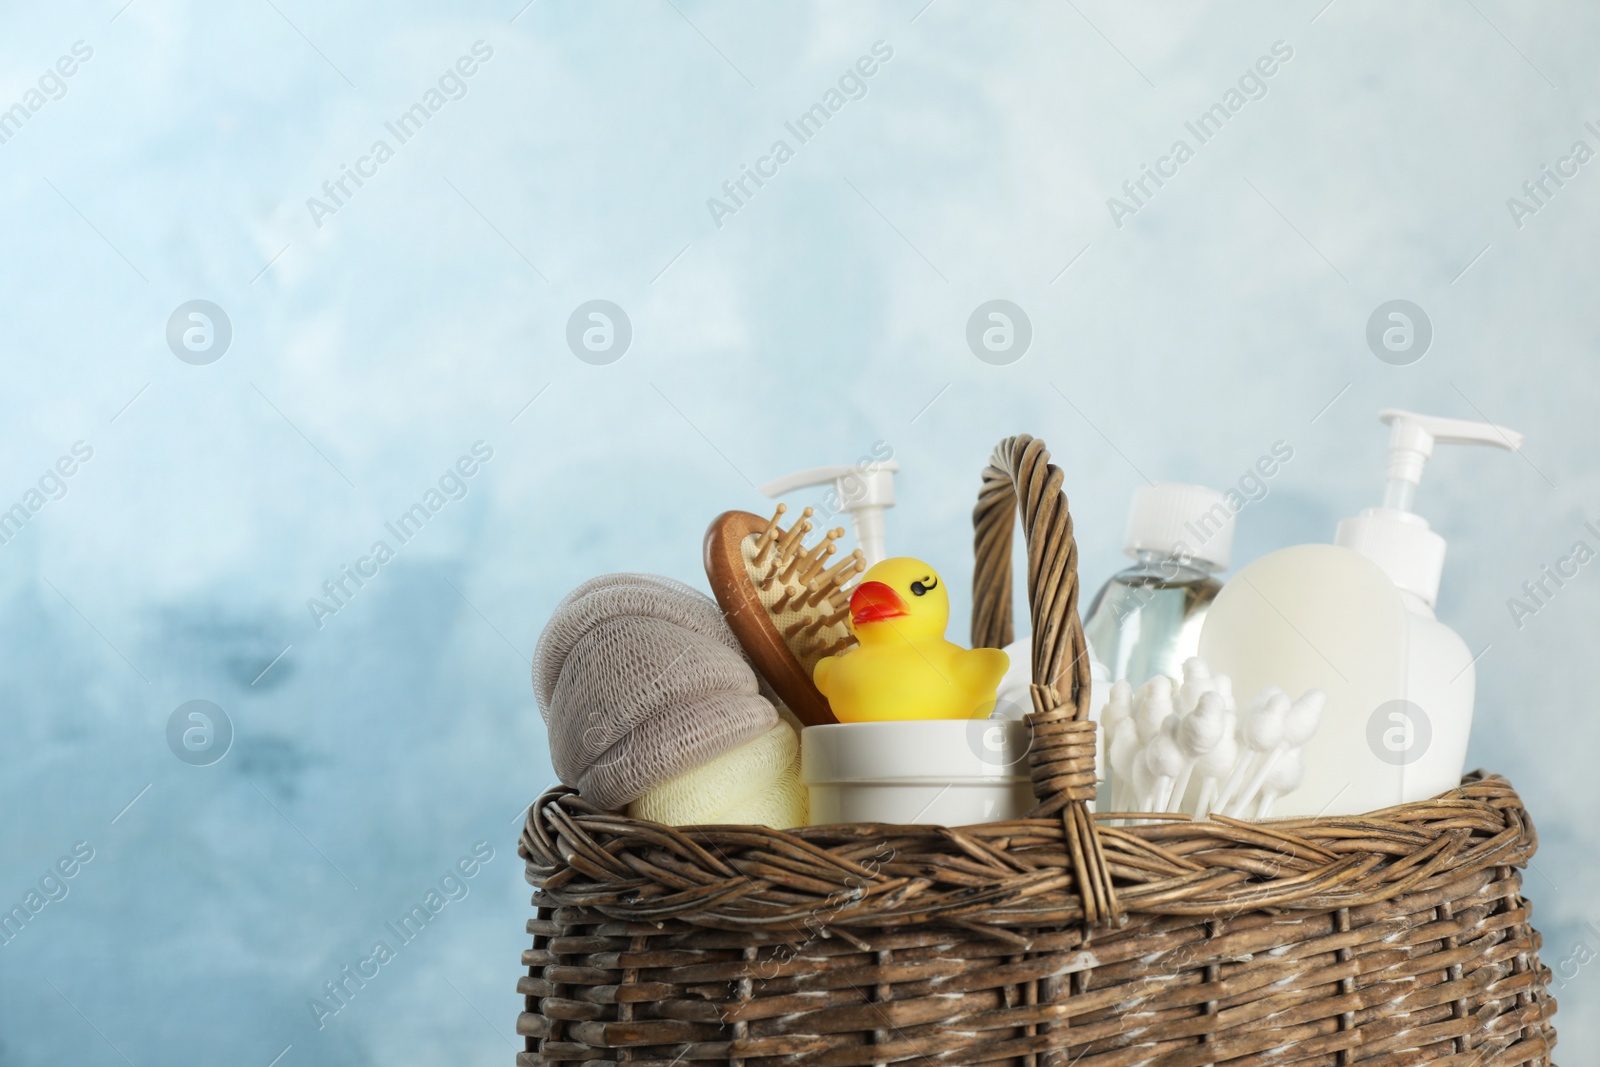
(1234, 776)
(1215, 766)
(1261, 732)
(1263, 739)
(1222, 685)
(1118, 707)
(1300, 721)
(1198, 733)
(1164, 757)
(1287, 774)
(1166, 735)
(1196, 680)
(1151, 706)
(1305, 715)
(1124, 748)
(1142, 780)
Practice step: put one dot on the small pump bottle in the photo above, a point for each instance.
(865, 490)
(1146, 620)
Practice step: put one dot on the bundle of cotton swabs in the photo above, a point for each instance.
(1185, 747)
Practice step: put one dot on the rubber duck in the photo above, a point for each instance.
(903, 668)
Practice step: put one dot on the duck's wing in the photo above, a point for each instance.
(820, 673)
(983, 667)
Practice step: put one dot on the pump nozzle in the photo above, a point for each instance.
(1411, 443)
(863, 490)
(1395, 537)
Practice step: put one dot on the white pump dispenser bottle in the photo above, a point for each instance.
(1441, 677)
(864, 490)
(1356, 620)
(1397, 538)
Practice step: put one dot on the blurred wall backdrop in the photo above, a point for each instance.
(189, 487)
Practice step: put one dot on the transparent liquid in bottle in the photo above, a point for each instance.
(1146, 620)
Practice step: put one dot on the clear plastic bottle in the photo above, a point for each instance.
(1146, 619)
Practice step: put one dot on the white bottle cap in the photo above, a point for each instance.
(1392, 536)
(1169, 518)
(1401, 544)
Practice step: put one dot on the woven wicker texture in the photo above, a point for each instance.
(1020, 477)
(1396, 938)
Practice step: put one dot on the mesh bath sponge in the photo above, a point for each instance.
(757, 783)
(639, 679)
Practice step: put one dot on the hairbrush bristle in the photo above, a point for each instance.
(814, 567)
(838, 646)
(769, 536)
(800, 528)
(798, 558)
(824, 585)
(802, 596)
(820, 554)
(850, 565)
(785, 557)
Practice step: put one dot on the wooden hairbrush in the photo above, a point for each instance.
(783, 601)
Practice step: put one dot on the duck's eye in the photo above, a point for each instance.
(921, 588)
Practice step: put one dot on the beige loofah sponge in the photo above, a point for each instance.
(639, 679)
(757, 784)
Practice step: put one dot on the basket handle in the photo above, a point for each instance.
(1021, 477)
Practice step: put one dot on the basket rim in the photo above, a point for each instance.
(999, 877)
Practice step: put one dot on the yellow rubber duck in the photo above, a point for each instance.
(903, 667)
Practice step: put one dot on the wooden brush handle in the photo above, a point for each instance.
(755, 629)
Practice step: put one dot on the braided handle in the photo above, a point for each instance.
(1021, 477)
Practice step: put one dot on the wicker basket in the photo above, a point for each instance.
(1400, 937)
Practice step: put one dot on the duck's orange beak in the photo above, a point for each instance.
(875, 602)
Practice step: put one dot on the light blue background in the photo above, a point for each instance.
(829, 312)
